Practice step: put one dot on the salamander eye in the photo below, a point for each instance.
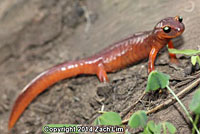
(180, 19)
(167, 29)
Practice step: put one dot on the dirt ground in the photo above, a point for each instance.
(36, 35)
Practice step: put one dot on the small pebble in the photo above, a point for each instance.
(188, 69)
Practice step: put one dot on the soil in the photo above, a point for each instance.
(36, 35)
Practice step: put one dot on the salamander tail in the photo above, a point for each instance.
(41, 83)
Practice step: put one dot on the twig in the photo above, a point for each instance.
(125, 112)
(171, 100)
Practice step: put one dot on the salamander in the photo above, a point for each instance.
(117, 56)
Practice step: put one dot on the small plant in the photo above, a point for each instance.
(193, 53)
(195, 59)
(195, 104)
(108, 118)
(195, 108)
(157, 80)
(139, 119)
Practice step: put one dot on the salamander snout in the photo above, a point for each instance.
(170, 27)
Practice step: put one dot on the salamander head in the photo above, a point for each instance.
(170, 27)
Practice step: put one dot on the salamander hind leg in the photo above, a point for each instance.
(101, 73)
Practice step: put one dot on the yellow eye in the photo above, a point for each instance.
(167, 29)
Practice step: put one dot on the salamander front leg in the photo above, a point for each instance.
(101, 73)
(152, 57)
(172, 56)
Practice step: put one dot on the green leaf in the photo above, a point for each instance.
(164, 128)
(185, 52)
(158, 128)
(108, 118)
(198, 60)
(96, 121)
(157, 80)
(194, 60)
(170, 127)
(147, 131)
(195, 103)
(138, 119)
(152, 128)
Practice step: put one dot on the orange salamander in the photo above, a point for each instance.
(117, 56)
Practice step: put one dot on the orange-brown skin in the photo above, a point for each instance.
(117, 56)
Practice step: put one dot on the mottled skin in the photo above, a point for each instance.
(117, 56)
